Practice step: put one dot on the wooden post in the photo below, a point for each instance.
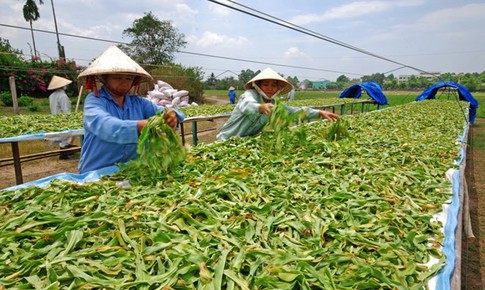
(16, 163)
(79, 98)
(13, 90)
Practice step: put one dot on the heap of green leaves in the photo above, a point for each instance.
(207, 110)
(17, 125)
(338, 130)
(326, 215)
(317, 102)
(160, 149)
(276, 134)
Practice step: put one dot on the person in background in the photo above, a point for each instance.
(291, 95)
(232, 95)
(252, 111)
(114, 118)
(60, 103)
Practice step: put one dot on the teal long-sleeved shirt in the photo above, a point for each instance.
(246, 121)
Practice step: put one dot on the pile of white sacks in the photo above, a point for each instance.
(165, 95)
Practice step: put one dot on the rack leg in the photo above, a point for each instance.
(16, 163)
(194, 133)
(182, 133)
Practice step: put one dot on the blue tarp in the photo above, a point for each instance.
(372, 89)
(43, 136)
(463, 93)
(71, 177)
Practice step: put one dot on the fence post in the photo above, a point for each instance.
(13, 90)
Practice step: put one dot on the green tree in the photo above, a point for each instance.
(452, 77)
(376, 78)
(247, 75)
(226, 82)
(211, 82)
(293, 80)
(390, 82)
(9, 59)
(154, 41)
(342, 82)
(471, 81)
(31, 13)
(8, 54)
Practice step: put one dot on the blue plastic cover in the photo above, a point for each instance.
(43, 136)
(372, 89)
(463, 93)
(72, 177)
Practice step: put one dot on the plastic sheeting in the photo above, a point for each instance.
(53, 137)
(463, 93)
(72, 177)
(372, 89)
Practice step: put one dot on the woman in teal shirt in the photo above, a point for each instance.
(254, 106)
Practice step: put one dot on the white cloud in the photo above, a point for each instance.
(293, 52)
(445, 22)
(220, 9)
(454, 18)
(353, 10)
(214, 39)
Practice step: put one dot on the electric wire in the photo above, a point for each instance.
(306, 31)
(190, 53)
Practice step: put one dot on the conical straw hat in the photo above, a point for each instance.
(58, 82)
(114, 61)
(269, 74)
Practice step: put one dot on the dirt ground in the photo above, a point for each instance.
(473, 250)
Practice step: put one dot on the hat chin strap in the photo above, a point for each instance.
(263, 94)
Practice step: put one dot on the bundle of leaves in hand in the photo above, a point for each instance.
(160, 148)
(339, 130)
(277, 133)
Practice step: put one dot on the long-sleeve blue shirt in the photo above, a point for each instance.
(110, 131)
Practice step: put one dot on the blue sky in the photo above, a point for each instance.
(431, 35)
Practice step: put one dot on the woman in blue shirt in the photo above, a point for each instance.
(113, 118)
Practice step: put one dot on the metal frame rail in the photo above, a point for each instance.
(16, 159)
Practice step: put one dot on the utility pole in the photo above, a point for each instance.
(60, 48)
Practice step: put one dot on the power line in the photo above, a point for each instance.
(190, 53)
(269, 63)
(306, 31)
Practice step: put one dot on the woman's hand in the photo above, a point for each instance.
(329, 115)
(140, 125)
(170, 118)
(265, 108)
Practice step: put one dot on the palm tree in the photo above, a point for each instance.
(31, 13)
